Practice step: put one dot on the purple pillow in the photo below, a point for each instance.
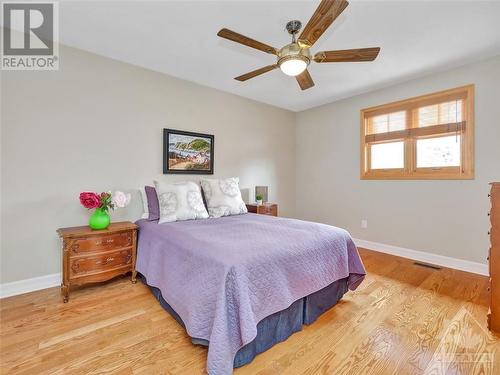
(153, 205)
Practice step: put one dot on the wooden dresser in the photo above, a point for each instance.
(97, 255)
(494, 259)
(270, 209)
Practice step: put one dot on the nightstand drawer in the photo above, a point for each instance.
(270, 209)
(84, 265)
(267, 210)
(100, 243)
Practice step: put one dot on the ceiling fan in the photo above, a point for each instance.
(294, 58)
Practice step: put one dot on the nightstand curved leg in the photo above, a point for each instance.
(134, 276)
(65, 292)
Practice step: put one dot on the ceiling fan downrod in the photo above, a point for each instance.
(293, 28)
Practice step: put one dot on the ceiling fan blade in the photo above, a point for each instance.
(347, 55)
(323, 17)
(242, 39)
(256, 73)
(305, 81)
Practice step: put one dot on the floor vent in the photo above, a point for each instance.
(434, 267)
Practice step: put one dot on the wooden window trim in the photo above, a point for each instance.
(411, 134)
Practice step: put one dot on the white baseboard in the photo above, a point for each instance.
(29, 285)
(439, 260)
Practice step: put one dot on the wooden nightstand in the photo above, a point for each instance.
(97, 255)
(270, 209)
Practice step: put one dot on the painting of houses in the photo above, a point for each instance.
(186, 152)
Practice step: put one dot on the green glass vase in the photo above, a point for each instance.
(99, 219)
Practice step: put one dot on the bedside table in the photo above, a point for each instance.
(91, 256)
(270, 209)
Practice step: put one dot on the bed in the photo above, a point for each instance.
(240, 284)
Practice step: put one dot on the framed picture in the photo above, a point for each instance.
(187, 152)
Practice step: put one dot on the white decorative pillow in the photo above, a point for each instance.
(180, 201)
(223, 197)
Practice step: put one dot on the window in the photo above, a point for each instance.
(428, 137)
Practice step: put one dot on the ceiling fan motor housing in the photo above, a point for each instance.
(294, 51)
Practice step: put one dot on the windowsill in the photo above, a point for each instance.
(416, 176)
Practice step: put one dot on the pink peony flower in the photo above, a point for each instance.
(120, 199)
(90, 200)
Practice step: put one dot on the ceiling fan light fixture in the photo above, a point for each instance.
(293, 66)
(293, 60)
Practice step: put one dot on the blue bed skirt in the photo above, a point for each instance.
(279, 326)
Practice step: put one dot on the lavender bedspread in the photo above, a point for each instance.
(222, 276)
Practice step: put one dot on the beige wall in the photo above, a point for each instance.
(96, 124)
(442, 217)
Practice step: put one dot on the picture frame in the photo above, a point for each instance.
(187, 152)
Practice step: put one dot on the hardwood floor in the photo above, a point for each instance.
(403, 319)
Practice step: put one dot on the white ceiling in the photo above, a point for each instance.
(179, 38)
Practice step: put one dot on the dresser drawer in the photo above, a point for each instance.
(494, 261)
(99, 243)
(495, 190)
(495, 237)
(97, 263)
(489, 261)
(495, 217)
